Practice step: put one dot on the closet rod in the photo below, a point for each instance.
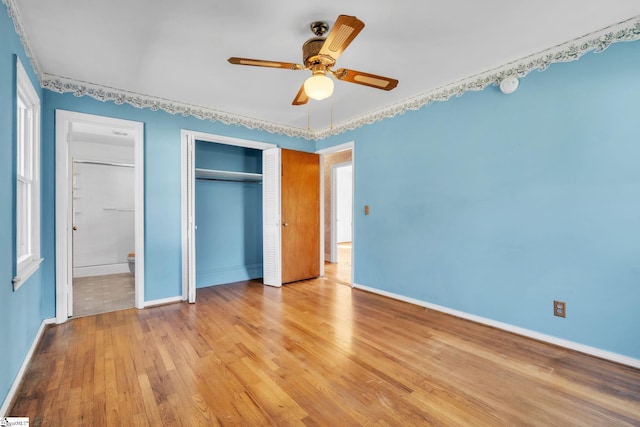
(97, 162)
(246, 181)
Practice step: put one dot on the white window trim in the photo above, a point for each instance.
(28, 265)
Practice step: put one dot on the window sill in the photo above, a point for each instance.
(26, 272)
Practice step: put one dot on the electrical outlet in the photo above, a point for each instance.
(560, 309)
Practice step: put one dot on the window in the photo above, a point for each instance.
(27, 203)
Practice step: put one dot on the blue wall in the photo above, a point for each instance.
(20, 311)
(228, 217)
(496, 205)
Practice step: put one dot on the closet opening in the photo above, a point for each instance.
(228, 213)
(230, 219)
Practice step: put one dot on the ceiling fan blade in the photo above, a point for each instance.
(301, 98)
(263, 63)
(361, 78)
(341, 35)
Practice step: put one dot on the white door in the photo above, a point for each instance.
(188, 220)
(271, 211)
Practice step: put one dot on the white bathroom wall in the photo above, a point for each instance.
(344, 200)
(103, 205)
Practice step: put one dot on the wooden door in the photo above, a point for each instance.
(300, 215)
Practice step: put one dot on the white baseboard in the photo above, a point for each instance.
(592, 351)
(228, 274)
(101, 270)
(25, 364)
(163, 301)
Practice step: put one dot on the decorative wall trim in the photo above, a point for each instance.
(572, 50)
(14, 14)
(102, 93)
(592, 351)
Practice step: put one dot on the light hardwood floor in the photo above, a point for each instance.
(341, 271)
(313, 353)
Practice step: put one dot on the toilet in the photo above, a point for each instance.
(131, 259)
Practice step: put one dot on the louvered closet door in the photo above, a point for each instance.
(271, 237)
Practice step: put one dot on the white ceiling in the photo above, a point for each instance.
(178, 50)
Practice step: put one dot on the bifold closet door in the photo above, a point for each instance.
(271, 233)
(300, 204)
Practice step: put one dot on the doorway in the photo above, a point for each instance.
(99, 214)
(338, 180)
(342, 220)
(103, 225)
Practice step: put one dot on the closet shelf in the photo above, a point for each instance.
(227, 175)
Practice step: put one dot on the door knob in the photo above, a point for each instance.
(285, 224)
(74, 228)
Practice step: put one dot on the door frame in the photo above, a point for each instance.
(188, 138)
(330, 150)
(64, 222)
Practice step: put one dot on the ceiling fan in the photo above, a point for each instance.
(319, 55)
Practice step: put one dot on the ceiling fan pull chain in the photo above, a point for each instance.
(331, 114)
(308, 117)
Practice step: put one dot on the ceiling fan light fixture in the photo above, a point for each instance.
(319, 55)
(318, 87)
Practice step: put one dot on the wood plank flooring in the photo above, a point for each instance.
(314, 353)
(340, 271)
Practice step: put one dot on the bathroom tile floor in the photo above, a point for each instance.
(101, 294)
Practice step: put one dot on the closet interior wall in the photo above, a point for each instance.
(228, 214)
